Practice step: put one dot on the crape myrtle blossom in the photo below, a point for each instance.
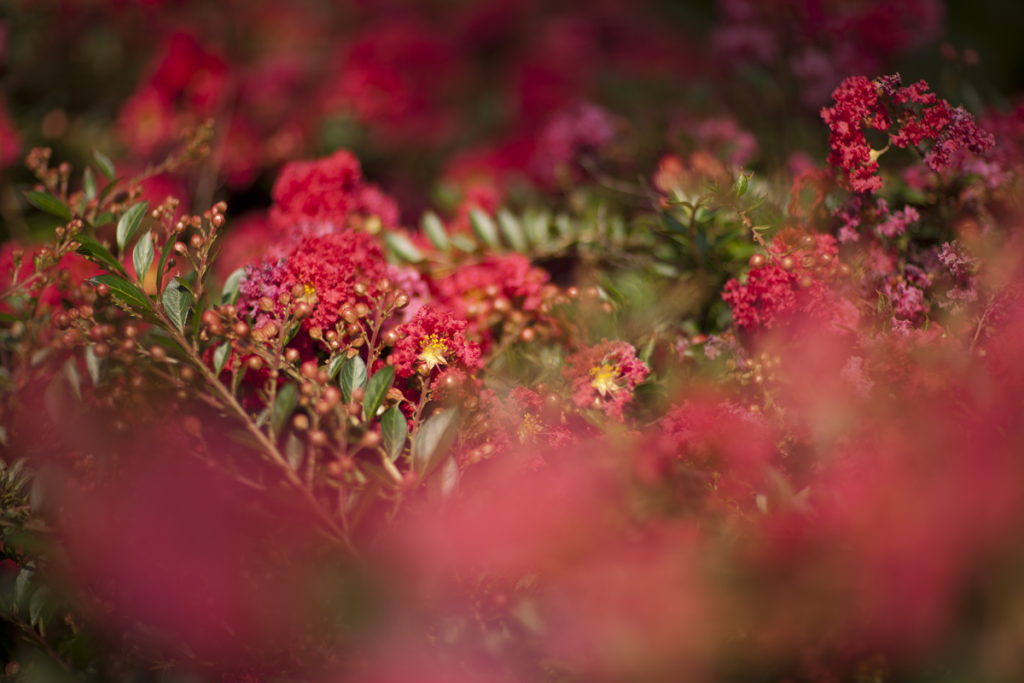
(921, 116)
(604, 376)
(433, 339)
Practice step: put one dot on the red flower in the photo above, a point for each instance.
(432, 339)
(604, 376)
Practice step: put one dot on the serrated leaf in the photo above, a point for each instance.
(353, 376)
(512, 230)
(230, 293)
(123, 290)
(89, 184)
(433, 228)
(284, 404)
(394, 430)
(403, 247)
(376, 389)
(35, 608)
(334, 366)
(294, 451)
(740, 187)
(445, 483)
(45, 201)
(432, 440)
(94, 251)
(485, 229)
(142, 257)
(129, 224)
(96, 366)
(220, 357)
(177, 300)
(105, 165)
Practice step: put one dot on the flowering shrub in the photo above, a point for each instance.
(315, 368)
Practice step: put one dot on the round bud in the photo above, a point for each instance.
(787, 263)
(362, 309)
(218, 221)
(216, 330)
(807, 242)
(298, 290)
(384, 284)
(527, 335)
(240, 329)
(210, 317)
(332, 395)
(196, 240)
(158, 353)
(291, 355)
(86, 311)
(101, 350)
(370, 440)
(96, 333)
(309, 369)
(266, 304)
(103, 289)
(476, 455)
(300, 422)
(757, 261)
(255, 363)
(358, 394)
(187, 374)
(180, 248)
(573, 292)
(401, 300)
(359, 288)
(318, 438)
(845, 270)
(128, 346)
(302, 310)
(808, 261)
(322, 377)
(130, 331)
(322, 407)
(825, 259)
(229, 310)
(390, 338)
(409, 479)
(330, 335)
(806, 281)
(348, 314)
(316, 333)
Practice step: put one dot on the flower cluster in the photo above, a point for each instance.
(603, 377)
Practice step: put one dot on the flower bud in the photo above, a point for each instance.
(300, 422)
(291, 355)
(302, 310)
(757, 261)
(158, 353)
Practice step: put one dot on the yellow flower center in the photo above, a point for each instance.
(604, 378)
(528, 428)
(433, 350)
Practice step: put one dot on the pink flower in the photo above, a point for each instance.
(433, 339)
(604, 376)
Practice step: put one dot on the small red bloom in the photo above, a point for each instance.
(433, 338)
(604, 376)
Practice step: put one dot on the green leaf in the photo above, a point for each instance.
(284, 405)
(445, 484)
(294, 451)
(102, 219)
(432, 441)
(740, 187)
(95, 365)
(433, 228)
(164, 254)
(353, 376)
(334, 366)
(230, 293)
(484, 228)
(94, 251)
(512, 230)
(673, 224)
(48, 203)
(109, 189)
(395, 431)
(89, 184)
(142, 258)
(21, 585)
(566, 229)
(123, 290)
(105, 165)
(129, 223)
(403, 247)
(35, 609)
(536, 227)
(177, 300)
(220, 357)
(463, 242)
(377, 389)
